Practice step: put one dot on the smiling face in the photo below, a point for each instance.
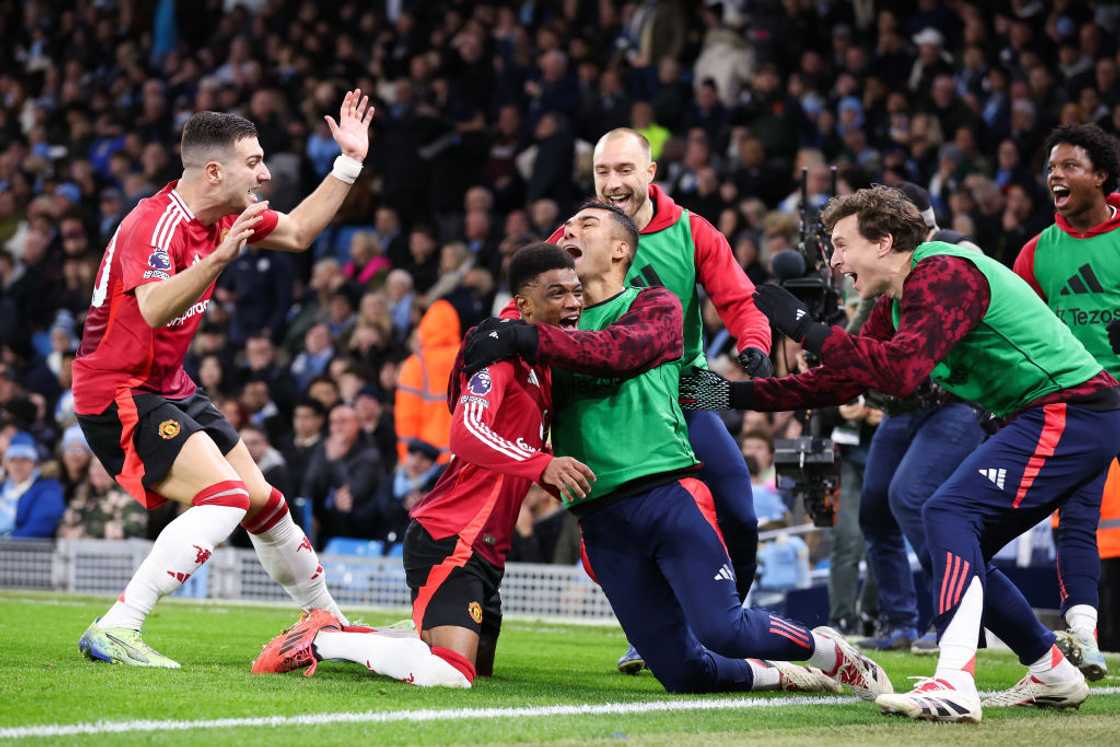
(860, 258)
(623, 172)
(553, 297)
(594, 241)
(1075, 186)
(243, 174)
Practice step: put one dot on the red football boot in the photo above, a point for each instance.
(294, 647)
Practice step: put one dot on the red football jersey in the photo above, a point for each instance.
(498, 435)
(119, 351)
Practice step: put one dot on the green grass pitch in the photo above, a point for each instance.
(45, 682)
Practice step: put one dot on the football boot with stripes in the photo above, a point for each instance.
(935, 699)
(295, 647)
(855, 670)
(1031, 691)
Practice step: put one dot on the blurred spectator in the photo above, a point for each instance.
(343, 476)
(367, 259)
(100, 509)
(30, 505)
(317, 353)
(545, 532)
(421, 404)
(387, 517)
(259, 284)
(769, 506)
(75, 457)
(308, 419)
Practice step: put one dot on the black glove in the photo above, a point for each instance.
(1114, 335)
(756, 363)
(790, 317)
(701, 389)
(496, 340)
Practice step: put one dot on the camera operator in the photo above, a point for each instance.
(981, 333)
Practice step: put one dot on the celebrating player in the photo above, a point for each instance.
(143, 416)
(1074, 265)
(678, 249)
(977, 329)
(648, 524)
(456, 546)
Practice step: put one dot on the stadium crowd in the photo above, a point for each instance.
(333, 364)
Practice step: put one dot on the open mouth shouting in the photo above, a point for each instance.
(569, 321)
(1061, 195)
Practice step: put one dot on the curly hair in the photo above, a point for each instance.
(881, 211)
(1102, 148)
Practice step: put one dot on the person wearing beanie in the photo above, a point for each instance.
(30, 505)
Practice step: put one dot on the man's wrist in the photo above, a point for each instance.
(346, 168)
(815, 336)
(742, 395)
(527, 340)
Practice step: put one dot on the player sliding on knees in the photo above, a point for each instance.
(144, 418)
(456, 546)
(649, 525)
(982, 333)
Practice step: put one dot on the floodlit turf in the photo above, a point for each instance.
(44, 681)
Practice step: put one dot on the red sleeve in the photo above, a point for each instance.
(1024, 266)
(944, 298)
(510, 311)
(650, 333)
(728, 286)
(472, 436)
(147, 251)
(879, 325)
(554, 238)
(269, 219)
(818, 387)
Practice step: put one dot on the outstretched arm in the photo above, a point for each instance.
(650, 333)
(296, 230)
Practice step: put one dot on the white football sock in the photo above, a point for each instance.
(1082, 620)
(291, 561)
(958, 642)
(181, 548)
(403, 658)
(826, 654)
(1054, 667)
(766, 676)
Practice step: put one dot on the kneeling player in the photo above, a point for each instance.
(456, 547)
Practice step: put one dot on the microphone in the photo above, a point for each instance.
(787, 265)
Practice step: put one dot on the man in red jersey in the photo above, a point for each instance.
(456, 546)
(160, 438)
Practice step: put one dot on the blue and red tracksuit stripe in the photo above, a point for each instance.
(1055, 456)
(663, 565)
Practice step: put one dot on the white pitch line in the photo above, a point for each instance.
(455, 714)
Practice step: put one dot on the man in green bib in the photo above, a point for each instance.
(648, 523)
(979, 331)
(1074, 265)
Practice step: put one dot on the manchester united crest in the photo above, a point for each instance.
(169, 429)
(474, 609)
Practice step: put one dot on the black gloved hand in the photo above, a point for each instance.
(498, 339)
(756, 363)
(790, 316)
(1114, 335)
(701, 389)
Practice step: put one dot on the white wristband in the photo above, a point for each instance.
(346, 169)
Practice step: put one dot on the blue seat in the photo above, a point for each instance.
(361, 548)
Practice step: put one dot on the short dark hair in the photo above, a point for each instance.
(213, 130)
(881, 210)
(312, 404)
(1102, 148)
(621, 219)
(534, 259)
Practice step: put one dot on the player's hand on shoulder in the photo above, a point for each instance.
(240, 232)
(496, 340)
(571, 477)
(756, 363)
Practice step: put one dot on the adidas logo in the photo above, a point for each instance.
(724, 574)
(995, 476)
(800, 314)
(1083, 281)
(494, 335)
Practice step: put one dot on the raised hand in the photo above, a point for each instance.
(351, 131)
